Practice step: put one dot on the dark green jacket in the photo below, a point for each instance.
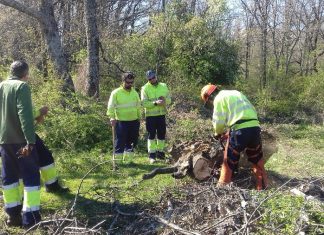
(16, 113)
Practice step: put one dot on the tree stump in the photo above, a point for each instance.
(200, 158)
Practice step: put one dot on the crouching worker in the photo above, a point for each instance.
(17, 148)
(233, 110)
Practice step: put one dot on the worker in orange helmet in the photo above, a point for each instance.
(233, 111)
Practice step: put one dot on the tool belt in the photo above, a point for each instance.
(243, 121)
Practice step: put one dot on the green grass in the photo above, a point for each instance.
(300, 151)
(300, 155)
(101, 187)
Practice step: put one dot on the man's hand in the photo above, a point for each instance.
(26, 151)
(160, 101)
(113, 122)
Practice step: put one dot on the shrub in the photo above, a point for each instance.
(67, 129)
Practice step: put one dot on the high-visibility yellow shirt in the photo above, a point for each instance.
(231, 106)
(124, 105)
(151, 93)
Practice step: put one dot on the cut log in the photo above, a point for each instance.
(201, 167)
(200, 158)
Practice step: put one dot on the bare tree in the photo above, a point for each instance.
(259, 9)
(90, 9)
(45, 17)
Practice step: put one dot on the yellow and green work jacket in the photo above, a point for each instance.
(151, 93)
(230, 107)
(124, 105)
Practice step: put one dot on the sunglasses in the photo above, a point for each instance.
(150, 79)
(129, 82)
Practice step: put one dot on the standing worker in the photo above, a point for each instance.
(233, 110)
(17, 147)
(124, 111)
(155, 97)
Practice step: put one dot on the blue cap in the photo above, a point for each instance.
(150, 74)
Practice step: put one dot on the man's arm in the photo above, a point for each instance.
(25, 113)
(111, 111)
(146, 102)
(167, 97)
(219, 118)
(139, 113)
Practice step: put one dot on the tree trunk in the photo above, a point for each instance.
(163, 5)
(53, 41)
(45, 16)
(264, 57)
(193, 6)
(92, 48)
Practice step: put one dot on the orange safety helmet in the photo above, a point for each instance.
(206, 91)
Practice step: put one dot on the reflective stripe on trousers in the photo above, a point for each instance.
(48, 174)
(31, 199)
(151, 145)
(11, 195)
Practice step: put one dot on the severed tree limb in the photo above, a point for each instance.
(45, 222)
(159, 219)
(111, 227)
(157, 171)
(261, 203)
(78, 192)
(218, 222)
(175, 227)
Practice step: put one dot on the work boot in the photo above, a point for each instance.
(152, 157)
(30, 219)
(56, 188)
(160, 155)
(260, 174)
(225, 175)
(14, 221)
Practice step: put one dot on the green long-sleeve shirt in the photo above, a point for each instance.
(16, 113)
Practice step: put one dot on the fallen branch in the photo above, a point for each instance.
(175, 227)
(264, 200)
(156, 171)
(78, 192)
(111, 227)
(46, 222)
(218, 222)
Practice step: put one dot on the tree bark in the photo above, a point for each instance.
(92, 48)
(45, 16)
(163, 6)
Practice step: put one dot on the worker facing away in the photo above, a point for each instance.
(17, 147)
(231, 109)
(124, 111)
(155, 98)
